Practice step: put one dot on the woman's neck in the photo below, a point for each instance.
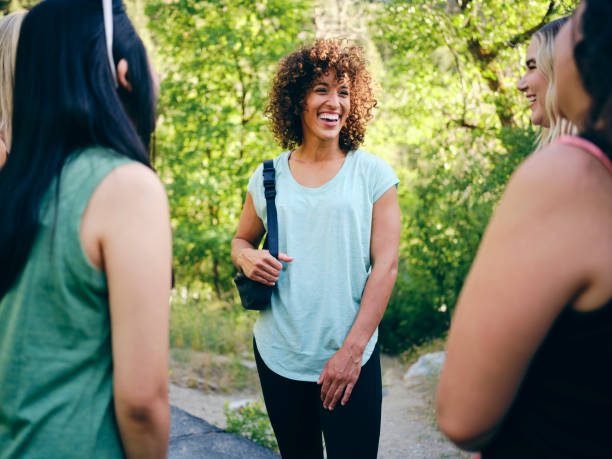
(317, 150)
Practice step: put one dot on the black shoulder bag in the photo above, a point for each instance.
(255, 295)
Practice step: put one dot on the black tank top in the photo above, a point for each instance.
(564, 406)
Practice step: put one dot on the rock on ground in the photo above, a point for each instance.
(427, 365)
(192, 437)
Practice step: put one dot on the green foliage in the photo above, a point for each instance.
(217, 57)
(451, 203)
(450, 122)
(455, 128)
(251, 421)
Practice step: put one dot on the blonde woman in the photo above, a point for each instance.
(9, 35)
(538, 85)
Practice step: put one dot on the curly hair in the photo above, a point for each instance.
(593, 56)
(296, 75)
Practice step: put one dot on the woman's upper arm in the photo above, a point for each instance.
(250, 226)
(526, 271)
(135, 238)
(386, 227)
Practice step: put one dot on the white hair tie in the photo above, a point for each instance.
(107, 9)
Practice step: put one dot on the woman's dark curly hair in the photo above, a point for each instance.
(298, 72)
(593, 56)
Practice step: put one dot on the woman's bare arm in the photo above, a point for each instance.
(257, 265)
(129, 215)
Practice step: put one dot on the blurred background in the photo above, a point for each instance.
(450, 121)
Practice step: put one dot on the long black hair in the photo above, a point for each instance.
(593, 56)
(65, 99)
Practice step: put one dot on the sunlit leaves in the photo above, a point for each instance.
(217, 61)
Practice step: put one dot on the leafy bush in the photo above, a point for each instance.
(251, 421)
(444, 220)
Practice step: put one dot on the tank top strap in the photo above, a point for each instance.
(588, 146)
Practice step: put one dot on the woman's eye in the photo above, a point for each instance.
(344, 93)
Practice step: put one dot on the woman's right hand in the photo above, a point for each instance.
(260, 266)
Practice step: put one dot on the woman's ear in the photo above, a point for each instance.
(122, 73)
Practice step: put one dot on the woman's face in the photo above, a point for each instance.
(326, 108)
(534, 84)
(572, 98)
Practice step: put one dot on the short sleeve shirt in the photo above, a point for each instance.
(327, 230)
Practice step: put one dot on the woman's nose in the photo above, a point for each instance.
(333, 99)
(522, 84)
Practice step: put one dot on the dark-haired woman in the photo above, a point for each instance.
(528, 371)
(339, 227)
(84, 243)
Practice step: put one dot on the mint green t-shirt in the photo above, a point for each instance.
(56, 369)
(327, 230)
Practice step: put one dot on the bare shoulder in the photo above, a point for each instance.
(559, 175)
(132, 181)
(560, 164)
(131, 196)
(564, 195)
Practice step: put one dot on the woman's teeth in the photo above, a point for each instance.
(328, 117)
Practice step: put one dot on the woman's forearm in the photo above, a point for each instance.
(374, 302)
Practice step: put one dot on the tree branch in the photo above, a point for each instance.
(526, 35)
(481, 55)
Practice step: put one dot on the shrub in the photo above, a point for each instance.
(251, 421)
(445, 215)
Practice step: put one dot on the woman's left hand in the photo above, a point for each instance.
(339, 376)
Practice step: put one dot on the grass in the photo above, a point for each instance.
(200, 322)
(210, 339)
(212, 372)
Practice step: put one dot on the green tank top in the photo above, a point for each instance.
(56, 372)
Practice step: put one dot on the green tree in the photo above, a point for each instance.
(217, 61)
(458, 130)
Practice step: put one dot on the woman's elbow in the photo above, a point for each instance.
(142, 407)
(386, 267)
(460, 429)
(451, 426)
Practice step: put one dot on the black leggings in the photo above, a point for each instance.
(298, 418)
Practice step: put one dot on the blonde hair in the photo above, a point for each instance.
(9, 36)
(558, 125)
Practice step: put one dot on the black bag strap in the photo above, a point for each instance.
(269, 180)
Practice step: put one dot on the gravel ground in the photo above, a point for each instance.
(408, 422)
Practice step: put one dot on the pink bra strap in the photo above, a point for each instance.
(584, 144)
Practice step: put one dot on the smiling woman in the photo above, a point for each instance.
(538, 85)
(315, 346)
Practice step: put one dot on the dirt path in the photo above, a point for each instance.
(408, 428)
(408, 424)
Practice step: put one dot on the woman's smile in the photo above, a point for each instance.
(326, 108)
